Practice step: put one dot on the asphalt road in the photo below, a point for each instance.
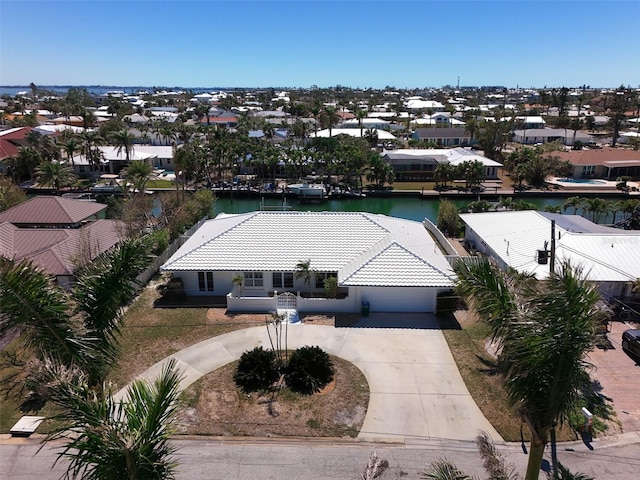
(614, 458)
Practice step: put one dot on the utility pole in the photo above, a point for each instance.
(552, 254)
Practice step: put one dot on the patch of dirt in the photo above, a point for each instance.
(214, 406)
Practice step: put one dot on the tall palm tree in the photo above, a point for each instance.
(70, 147)
(328, 118)
(109, 438)
(123, 141)
(596, 207)
(56, 175)
(360, 115)
(545, 329)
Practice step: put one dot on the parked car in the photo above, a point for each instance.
(631, 341)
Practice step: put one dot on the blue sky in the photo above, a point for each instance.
(324, 43)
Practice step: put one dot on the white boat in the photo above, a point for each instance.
(307, 190)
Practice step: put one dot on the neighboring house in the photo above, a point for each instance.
(546, 135)
(392, 263)
(10, 142)
(376, 123)
(114, 161)
(352, 132)
(528, 122)
(606, 163)
(420, 164)
(57, 234)
(446, 137)
(608, 256)
(416, 103)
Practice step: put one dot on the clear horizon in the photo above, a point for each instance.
(356, 44)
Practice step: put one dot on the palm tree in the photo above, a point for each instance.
(304, 272)
(553, 208)
(360, 115)
(545, 329)
(56, 175)
(139, 172)
(443, 469)
(596, 207)
(123, 141)
(70, 147)
(78, 328)
(109, 438)
(328, 118)
(573, 202)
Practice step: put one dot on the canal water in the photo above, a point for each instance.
(410, 208)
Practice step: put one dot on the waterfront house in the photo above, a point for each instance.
(420, 164)
(606, 163)
(253, 259)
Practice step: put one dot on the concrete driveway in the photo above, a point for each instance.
(416, 391)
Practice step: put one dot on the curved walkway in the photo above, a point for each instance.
(416, 391)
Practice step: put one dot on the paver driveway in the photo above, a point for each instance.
(416, 390)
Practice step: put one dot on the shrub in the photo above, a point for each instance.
(309, 370)
(257, 370)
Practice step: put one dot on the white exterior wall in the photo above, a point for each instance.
(221, 282)
(400, 299)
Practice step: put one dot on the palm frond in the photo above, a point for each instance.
(30, 301)
(117, 439)
(443, 469)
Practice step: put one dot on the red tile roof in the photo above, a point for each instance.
(57, 211)
(596, 157)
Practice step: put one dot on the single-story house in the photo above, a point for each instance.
(419, 164)
(352, 132)
(522, 240)
(531, 121)
(113, 161)
(446, 137)
(57, 234)
(252, 259)
(545, 135)
(376, 123)
(606, 163)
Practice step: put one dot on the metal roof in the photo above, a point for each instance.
(366, 249)
(58, 250)
(605, 254)
(43, 210)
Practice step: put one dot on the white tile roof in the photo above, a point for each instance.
(605, 254)
(366, 249)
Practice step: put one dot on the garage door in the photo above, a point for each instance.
(400, 299)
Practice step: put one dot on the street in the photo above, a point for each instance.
(613, 458)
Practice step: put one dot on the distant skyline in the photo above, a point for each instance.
(358, 44)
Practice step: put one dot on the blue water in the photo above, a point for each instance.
(98, 89)
(409, 208)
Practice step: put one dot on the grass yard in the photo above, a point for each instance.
(150, 334)
(160, 183)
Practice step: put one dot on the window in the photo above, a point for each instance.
(205, 281)
(588, 170)
(282, 279)
(253, 279)
(321, 277)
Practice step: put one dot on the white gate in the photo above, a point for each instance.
(287, 301)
